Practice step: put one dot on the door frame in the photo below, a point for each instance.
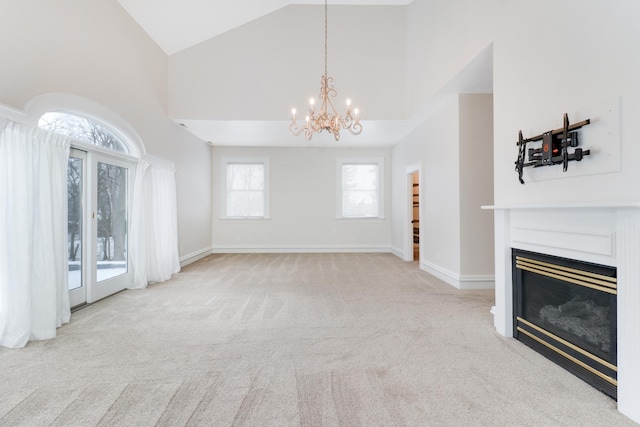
(92, 290)
(78, 296)
(102, 289)
(408, 226)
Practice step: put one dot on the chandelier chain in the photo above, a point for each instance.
(325, 37)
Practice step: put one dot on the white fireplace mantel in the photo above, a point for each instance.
(599, 232)
(581, 205)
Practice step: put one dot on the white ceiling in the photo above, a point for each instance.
(176, 25)
(475, 77)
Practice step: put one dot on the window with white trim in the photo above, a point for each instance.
(361, 188)
(246, 188)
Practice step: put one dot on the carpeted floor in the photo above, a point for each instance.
(292, 339)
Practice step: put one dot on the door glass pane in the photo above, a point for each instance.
(74, 222)
(111, 216)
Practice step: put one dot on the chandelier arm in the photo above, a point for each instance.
(355, 128)
(316, 125)
(295, 129)
(336, 133)
(308, 134)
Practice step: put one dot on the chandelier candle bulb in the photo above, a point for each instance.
(327, 118)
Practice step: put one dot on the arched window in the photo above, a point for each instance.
(82, 129)
(99, 186)
(88, 122)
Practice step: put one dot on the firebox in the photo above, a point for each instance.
(566, 310)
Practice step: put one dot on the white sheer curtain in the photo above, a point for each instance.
(34, 299)
(154, 229)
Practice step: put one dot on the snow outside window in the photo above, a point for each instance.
(246, 189)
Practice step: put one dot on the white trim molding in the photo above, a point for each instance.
(14, 114)
(299, 249)
(195, 256)
(399, 253)
(458, 281)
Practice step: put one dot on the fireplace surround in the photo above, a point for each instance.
(605, 233)
(566, 310)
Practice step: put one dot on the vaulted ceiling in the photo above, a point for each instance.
(258, 94)
(178, 24)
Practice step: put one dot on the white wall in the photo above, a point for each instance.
(597, 80)
(476, 184)
(261, 70)
(453, 148)
(443, 36)
(303, 204)
(434, 146)
(594, 41)
(440, 183)
(591, 40)
(96, 51)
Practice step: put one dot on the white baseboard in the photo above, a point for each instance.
(478, 281)
(194, 256)
(397, 252)
(458, 281)
(298, 249)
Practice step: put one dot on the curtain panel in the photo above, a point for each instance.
(34, 299)
(154, 228)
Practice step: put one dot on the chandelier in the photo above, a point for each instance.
(327, 118)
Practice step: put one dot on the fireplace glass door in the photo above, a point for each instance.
(566, 310)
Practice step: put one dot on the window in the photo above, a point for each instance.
(360, 192)
(98, 206)
(246, 185)
(83, 130)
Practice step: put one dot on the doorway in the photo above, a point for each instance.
(98, 208)
(412, 219)
(415, 214)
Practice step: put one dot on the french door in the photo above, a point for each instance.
(98, 195)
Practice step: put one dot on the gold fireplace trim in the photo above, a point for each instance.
(571, 275)
(572, 346)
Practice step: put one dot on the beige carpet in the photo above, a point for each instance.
(292, 339)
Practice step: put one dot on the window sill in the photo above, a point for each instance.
(362, 219)
(245, 218)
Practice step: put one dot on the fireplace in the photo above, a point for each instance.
(600, 233)
(567, 310)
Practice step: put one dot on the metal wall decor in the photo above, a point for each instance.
(554, 149)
